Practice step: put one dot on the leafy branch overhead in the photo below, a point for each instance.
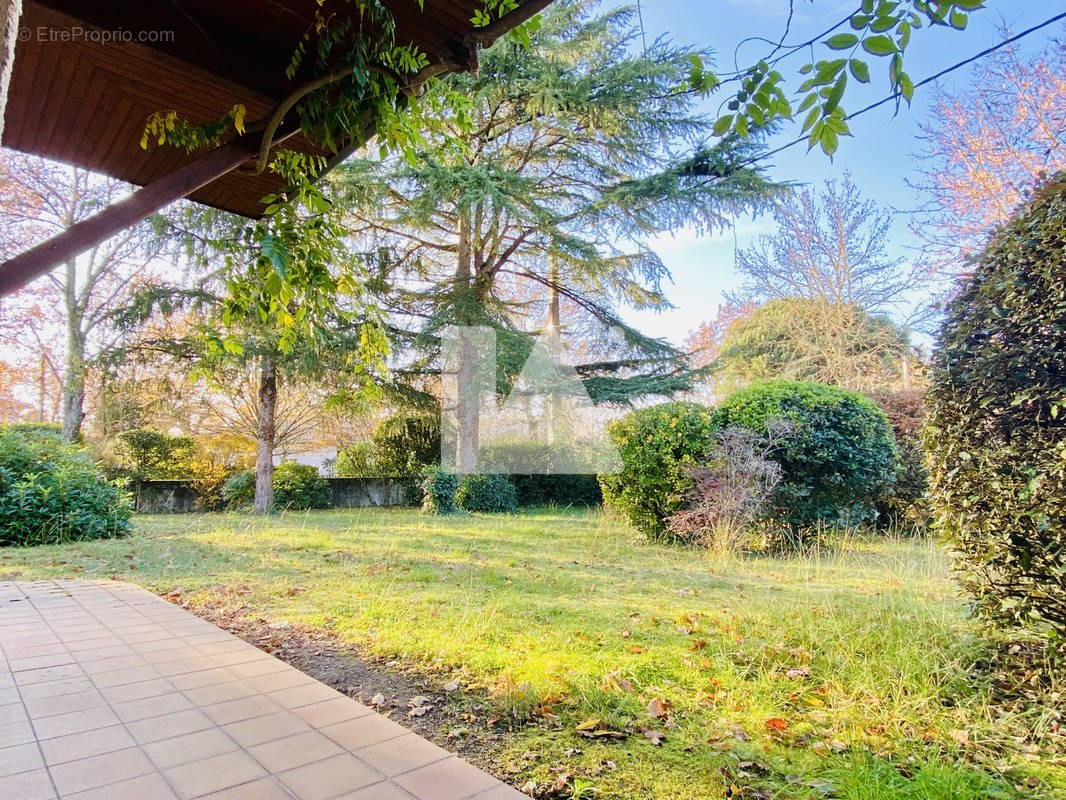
(881, 29)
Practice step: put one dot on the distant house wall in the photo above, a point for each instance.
(322, 458)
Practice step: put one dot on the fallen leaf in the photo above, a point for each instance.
(655, 737)
(776, 724)
(451, 687)
(961, 736)
(658, 708)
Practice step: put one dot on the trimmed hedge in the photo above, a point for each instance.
(997, 421)
(52, 492)
(486, 493)
(299, 487)
(658, 446)
(582, 491)
(239, 488)
(438, 491)
(838, 457)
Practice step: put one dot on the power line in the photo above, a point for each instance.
(896, 95)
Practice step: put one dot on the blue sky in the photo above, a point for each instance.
(879, 156)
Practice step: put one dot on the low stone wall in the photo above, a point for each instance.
(178, 497)
(367, 492)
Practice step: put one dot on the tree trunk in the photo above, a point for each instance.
(264, 458)
(467, 410)
(41, 390)
(555, 412)
(467, 406)
(72, 403)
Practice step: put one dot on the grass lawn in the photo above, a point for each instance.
(618, 669)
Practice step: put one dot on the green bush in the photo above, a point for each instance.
(997, 421)
(300, 486)
(559, 490)
(239, 488)
(488, 493)
(33, 429)
(904, 502)
(52, 492)
(404, 445)
(658, 446)
(356, 461)
(438, 491)
(837, 458)
(147, 455)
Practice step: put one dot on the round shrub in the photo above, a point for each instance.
(52, 492)
(403, 445)
(997, 421)
(239, 488)
(299, 487)
(438, 491)
(658, 446)
(837, 457)
(488, 493)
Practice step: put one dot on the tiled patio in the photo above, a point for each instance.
(107, 691)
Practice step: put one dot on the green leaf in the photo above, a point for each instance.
(842, 41)
(859, 70)
(879, 46)
(906, 87)
(723, 124)
(829, 141)
(836, 95)
(812, 117)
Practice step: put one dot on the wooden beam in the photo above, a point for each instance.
(23, 268)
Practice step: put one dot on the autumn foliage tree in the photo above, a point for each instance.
(985, 148)
(63, 317)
